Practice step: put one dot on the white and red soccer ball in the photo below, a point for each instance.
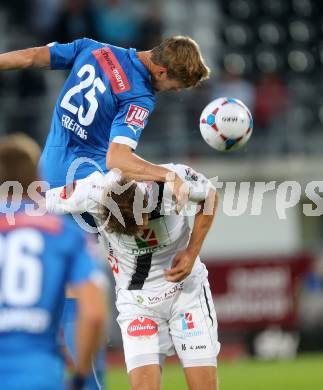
(226, 124)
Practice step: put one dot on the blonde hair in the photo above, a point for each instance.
(182, 58)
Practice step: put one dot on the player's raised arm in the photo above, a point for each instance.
(203, 222)
(36, 57)
(134, 167)
(54, 55)
(125, 133)
(77, 197)
(184, 260)
(204, 194)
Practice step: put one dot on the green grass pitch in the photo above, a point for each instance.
(302, 373)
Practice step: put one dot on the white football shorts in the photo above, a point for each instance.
(181, 318)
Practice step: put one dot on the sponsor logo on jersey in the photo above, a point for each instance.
(114, 263)
(68, 190)
(142, 326)
(146, 239)
(33, 320)
(144, 251)
(136, 116)
(190, 175)
(187, 321)
(112, 68)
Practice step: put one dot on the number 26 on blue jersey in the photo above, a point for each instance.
(21, 267)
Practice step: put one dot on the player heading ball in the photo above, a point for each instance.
(107, 100)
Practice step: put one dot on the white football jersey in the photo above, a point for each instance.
(138, 262)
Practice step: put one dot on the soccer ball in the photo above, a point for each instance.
(226, 124)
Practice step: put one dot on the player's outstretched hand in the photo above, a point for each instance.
(179, 188)
(182, 266)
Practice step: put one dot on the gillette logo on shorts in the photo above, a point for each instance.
(187, 321)
(142, 326)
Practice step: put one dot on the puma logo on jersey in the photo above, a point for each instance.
(136, 116)
(133, 129)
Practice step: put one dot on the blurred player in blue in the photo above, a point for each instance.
(104, 106)
(38, 261)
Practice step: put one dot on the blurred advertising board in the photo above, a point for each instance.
(254, 293)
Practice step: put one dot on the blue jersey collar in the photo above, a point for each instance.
(138, 64)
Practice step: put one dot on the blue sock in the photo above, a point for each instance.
(95, 380)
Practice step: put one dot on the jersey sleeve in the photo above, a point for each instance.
(62, 56)
(78, 197)
(130, 121)
(199, 185)
(83, 266)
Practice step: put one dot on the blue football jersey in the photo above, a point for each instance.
(39, 257)
(106, 98)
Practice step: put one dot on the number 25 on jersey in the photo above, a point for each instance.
(84, 118)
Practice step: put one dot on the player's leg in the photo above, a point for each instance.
(146, 341)
(145, 377)
(201, 378)
(95, 380)
(193, 329)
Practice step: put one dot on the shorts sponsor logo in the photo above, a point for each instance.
(167, 294)
(188, 326)
(193, 347)
(68, 190)
(153, 300)
(197, 347)
(142, 326)
(187, 321)
(191, 333)
(136, 116)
